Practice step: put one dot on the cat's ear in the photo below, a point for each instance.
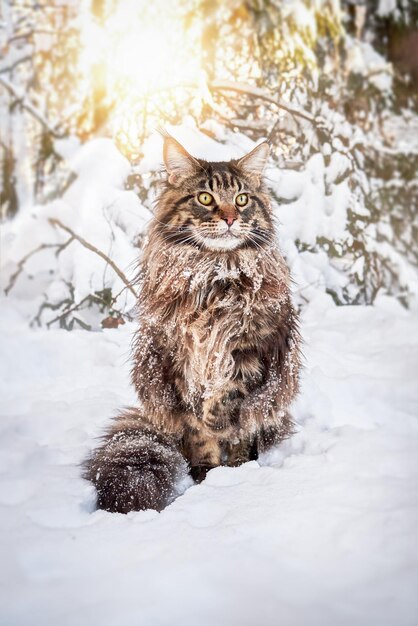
(254, 162)
(178, 162)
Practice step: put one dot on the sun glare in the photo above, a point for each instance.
(146, 59)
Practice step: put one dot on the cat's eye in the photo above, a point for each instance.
(205, 198)
(241, 199)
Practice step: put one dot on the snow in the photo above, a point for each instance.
(97, 207)
(313, 204)
(364, 59)
(322, 530)
(386, 7)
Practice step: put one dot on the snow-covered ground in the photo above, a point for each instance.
(322, 531)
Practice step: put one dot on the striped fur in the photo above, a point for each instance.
(217, 351)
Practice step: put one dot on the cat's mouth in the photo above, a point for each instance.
(223, 241)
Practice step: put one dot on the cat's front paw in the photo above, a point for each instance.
(198, 472)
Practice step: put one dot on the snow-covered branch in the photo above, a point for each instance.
(89, 246)
(20, 266)
(24, 102)
(260, 94)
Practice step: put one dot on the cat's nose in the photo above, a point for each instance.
(228, 213)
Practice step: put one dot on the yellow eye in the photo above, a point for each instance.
(205, 198)
(241, 199)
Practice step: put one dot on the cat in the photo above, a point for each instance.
(217, 352)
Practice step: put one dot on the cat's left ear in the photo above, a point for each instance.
(254, 162)
(178, 162)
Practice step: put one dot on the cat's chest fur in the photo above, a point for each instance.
(224, 309)
(207, 308)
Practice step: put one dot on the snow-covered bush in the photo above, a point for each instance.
(343, 171)
(68, 282)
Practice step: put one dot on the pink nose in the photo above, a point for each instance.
(229, 220)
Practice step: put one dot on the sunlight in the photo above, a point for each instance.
(145, 58)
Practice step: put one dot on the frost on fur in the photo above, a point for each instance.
(216, 353)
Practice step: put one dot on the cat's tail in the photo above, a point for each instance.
(137, 467)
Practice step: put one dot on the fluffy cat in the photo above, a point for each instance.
(217, 352)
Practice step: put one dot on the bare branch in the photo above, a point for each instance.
(77, 306)
(22, 262)
(256, 92)
(251, 126)
(12, 66)
(66, 312)
(29, 107)
(101, 254)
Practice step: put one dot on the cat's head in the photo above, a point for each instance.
(214, 205)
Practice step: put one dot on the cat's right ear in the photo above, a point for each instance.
(178, 162)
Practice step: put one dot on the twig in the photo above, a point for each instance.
(77, 306)
(256, 126)
(114, 299)
(12, 66)
(256, 92)
(89, 246)
(66, 312)
(21, 264)
(20, 98)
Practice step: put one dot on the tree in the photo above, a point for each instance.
(331, 84)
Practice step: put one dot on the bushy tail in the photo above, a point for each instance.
(137, 467)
